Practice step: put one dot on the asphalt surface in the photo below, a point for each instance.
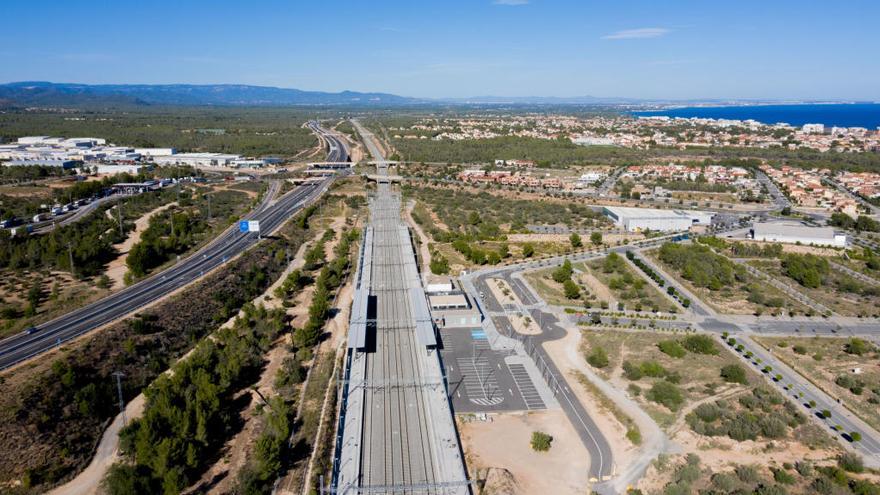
(271, 215)
(601, 456)
(480, 379)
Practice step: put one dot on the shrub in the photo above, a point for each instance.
(804, 468)
(734, 373)
(598, 358)
(857, 346)
(634, 436)
(851, 462)
(747, 474)
(631, 371)
(667, 394)
(671, 348)
(700, 344)
(541, 441)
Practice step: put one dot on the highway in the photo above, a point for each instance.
(271, 214)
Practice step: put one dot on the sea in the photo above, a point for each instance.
(833, 114)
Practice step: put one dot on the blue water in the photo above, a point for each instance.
(842, 115)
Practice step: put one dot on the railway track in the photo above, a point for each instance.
(397, 446)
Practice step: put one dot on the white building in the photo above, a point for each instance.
(638, 219)
(797, 234)
(155, 151)
(197, 159)
(813, 128)
(590, 177)
(119, 169)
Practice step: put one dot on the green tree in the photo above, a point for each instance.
(596, 238)
(598, 358)
(575, 240)
(528, 250)
(571, 290)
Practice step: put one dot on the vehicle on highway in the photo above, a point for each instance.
(31, 330)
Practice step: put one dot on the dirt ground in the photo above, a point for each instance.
(598, 288)
(116, 269)
(564, 353)
(503, 443)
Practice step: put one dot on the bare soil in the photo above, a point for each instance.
(503, 443)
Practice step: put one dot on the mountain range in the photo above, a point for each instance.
(39, 93)
(42, 94)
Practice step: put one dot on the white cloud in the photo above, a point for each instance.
(633, 34)
(510, 2)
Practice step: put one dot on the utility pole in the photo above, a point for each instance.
(119, 375)
(119, 217)
(209, 205)
(70, 254)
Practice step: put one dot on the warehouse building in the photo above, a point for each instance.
(797, 234)
(47, 162)
(639, 219)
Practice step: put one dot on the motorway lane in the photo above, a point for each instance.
(22, 346)
(51, 334)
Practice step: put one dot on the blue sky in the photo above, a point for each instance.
(648, 49)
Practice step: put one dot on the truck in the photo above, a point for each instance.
(27, 229)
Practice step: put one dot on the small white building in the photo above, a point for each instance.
(439, 285)
(797, 234)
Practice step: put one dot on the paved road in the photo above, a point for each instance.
(270, 214)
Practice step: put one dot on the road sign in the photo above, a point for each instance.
(245, 226)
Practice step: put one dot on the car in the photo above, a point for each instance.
(31, 330)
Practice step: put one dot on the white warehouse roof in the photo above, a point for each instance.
(656, 219)
(794, 233)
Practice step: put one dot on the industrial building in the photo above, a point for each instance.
(155, 151)
(50, 162)
(797, 234)
(639, 219)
